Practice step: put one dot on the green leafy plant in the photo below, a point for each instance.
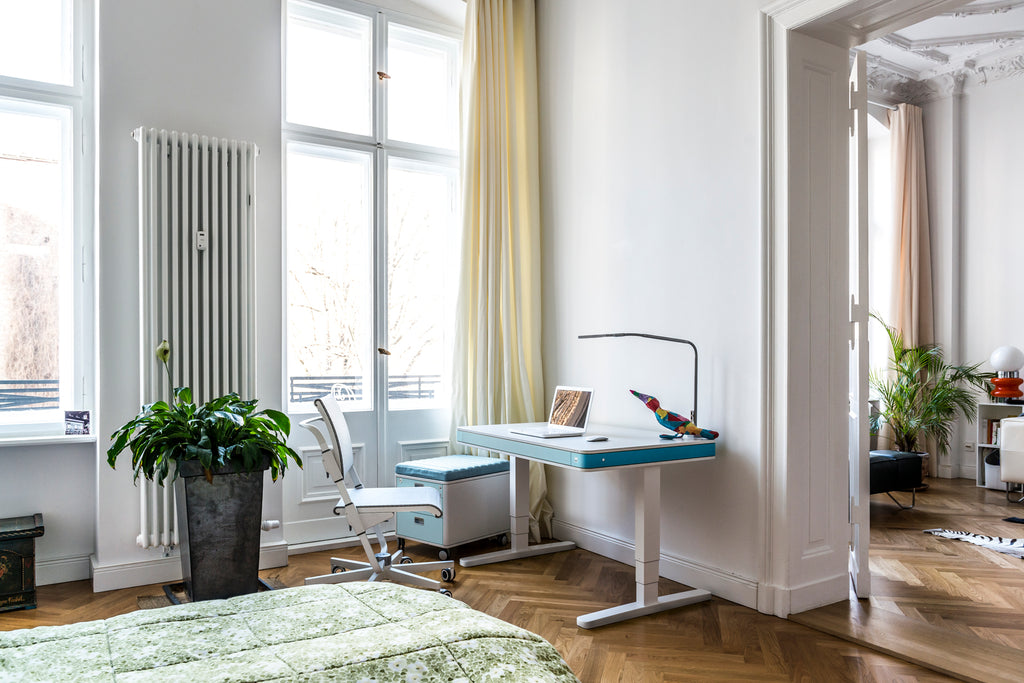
(224, 431)
(922, 395)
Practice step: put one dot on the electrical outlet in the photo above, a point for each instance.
(969, 446)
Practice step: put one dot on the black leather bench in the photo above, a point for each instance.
(896, 471)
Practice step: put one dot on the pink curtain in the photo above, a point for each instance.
(912, 281)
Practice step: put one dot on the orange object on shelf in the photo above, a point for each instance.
(1007, 387)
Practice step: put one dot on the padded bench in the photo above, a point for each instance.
(896, 471)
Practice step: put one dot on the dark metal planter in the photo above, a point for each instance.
(219, 529)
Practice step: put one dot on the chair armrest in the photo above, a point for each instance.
(317, 432)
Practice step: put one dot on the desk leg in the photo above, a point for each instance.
(648, 555)
(519, 512)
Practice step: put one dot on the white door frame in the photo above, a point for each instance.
(785, 587)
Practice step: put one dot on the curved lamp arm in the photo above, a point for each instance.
(693, 413)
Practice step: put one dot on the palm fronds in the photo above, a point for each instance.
(922, 395)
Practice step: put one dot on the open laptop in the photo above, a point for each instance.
(570, 412)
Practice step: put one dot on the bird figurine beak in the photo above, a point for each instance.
(646, 399)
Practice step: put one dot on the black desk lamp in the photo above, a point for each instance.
(693, 413)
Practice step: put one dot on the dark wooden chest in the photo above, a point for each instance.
(17, 561)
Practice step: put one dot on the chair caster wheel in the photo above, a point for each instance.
(448, 575)
(406, 560)
(337, 570)
(445, 592)
(442, 554)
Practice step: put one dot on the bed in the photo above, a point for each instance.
(343, 632)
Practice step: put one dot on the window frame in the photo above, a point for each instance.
(381, 149)
(78, 327)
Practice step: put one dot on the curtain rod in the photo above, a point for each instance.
(891, 107)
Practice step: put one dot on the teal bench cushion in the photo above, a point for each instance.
(451, 467)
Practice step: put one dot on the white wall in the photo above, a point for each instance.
(974, 146)
(204, 67)
(651, 220)
(60, 482)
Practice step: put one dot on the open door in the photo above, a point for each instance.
(860, 518)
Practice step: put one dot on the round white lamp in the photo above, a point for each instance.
(1007, 361)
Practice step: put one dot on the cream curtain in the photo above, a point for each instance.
(912, 274)
(497, 370)
(912, 281)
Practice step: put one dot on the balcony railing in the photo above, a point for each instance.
(33, 394)
(45, 393)
(350, 387)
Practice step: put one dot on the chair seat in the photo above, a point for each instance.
(398, 499)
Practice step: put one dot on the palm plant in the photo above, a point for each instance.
(922, 395)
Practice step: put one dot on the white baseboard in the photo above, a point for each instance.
(720, 582)
(818, 594)
(274, 554)
(166, 569)
(128, 574)
(62, 570)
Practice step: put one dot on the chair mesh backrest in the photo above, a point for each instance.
(337, 429)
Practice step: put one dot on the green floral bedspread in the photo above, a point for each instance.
(345, 632)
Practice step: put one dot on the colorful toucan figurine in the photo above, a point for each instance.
(669, 420)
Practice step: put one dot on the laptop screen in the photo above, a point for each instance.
(570, 407)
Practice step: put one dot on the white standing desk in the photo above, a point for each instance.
(624, 449)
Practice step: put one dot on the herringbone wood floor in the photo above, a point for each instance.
(712, 641)
(955, 606)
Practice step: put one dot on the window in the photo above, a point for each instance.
(44, 301)
(371, 205)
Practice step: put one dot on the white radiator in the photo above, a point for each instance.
(197, 286)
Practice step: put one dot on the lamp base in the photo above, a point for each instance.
(1007, 388)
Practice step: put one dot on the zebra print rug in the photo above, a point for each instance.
(1009, 546)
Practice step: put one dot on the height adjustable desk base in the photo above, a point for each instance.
(642, 451)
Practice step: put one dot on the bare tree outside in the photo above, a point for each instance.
(31, 215)
(329, 274)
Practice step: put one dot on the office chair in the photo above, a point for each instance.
(368, 509)
(1011, 456)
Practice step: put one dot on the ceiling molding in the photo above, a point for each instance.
(876, 63)
(982, 8)
(890, 82)
(924, 46)
(898, 41)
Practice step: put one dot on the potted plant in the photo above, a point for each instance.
(215, 455)
(922, 395)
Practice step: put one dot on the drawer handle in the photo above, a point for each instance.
(419, 485)
(417, 520)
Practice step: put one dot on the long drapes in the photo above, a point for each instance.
(912, 276)
(497, 369)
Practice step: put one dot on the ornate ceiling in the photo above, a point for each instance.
(977, 43)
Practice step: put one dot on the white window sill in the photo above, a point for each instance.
(50, 440)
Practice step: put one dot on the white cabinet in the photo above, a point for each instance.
(989, 415)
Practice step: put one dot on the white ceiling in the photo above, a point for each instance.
(976, 43)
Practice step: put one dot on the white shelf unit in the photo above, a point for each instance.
(987, 413)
